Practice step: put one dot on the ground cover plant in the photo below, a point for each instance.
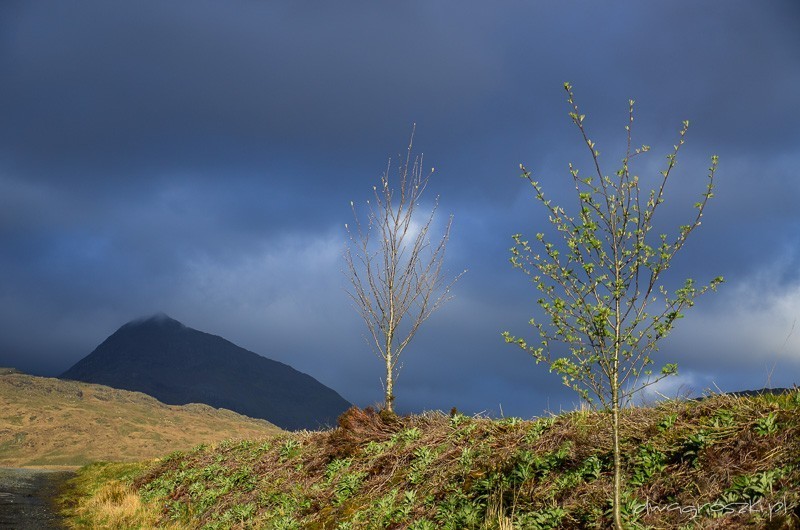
(721, 462)
(101, 496)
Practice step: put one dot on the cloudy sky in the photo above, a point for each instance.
(198, 158)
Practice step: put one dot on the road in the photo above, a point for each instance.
(26, 498)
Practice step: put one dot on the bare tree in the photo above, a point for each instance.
(394, 270)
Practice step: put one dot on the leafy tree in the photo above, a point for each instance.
(601, 289)
(395, 272)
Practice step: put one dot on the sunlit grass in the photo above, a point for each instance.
(434, 471)
(102, 496)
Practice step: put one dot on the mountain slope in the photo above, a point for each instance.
(50, 422)
(176, 364)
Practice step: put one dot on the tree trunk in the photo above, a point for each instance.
(389, 399)
(617, 459)
(388, 402)
(615, 399)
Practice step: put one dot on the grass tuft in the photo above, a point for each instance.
(687, 464)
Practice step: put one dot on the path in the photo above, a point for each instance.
(26, 498)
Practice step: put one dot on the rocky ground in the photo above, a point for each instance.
(26, 498)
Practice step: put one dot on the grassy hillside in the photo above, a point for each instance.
(724, 462)
(50, 422)
(177, 364)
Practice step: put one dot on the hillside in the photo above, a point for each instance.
(177, 365)
(724, 462)
(50, 422)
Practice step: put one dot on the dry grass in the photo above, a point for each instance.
(102, 497)
(48, 422)
(117, 505)
(436, 471)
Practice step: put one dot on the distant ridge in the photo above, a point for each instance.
(176, 364)
(50, 422)
(761, 392)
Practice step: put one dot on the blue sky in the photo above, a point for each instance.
(198, 158)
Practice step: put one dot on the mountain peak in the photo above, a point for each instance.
(177, 365)
(160, 319)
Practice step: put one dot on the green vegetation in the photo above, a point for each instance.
(712, 463)
(102, 496)
(599, 284)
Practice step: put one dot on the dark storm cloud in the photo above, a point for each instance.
(122, 84)
(198, 158)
